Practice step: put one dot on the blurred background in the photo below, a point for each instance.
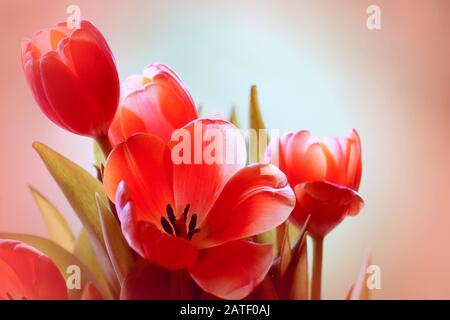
(318, 67)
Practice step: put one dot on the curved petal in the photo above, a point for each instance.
(143, 163)
(327, 203)
(159, 100)
(304, 158)
(300, 156)
(66, 96)
(131, 84)
(146, 281)
(125, 124)
(336, 167)
(31, 68)
(149, 241)
(47, 40)
(212, 151)
(232, 270)
(354, 162)
(95, 34)
(97, 73)
(256, 199)
(33, 275)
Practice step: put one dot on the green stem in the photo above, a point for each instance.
(317, 268)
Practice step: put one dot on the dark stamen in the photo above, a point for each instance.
(170, 214)
(173, 220)
(192, 233)
(24, 298)
(185, 212)
(166, 226)
(9, 296)
(193, 222)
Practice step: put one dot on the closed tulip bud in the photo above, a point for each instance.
(73, 77)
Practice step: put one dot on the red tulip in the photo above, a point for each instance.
(27, 274)
(194, 216)
(73, 77)
(155, 102)
(325, 175)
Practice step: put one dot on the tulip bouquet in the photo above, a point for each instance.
(177, 210)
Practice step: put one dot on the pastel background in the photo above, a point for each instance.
(317, 66)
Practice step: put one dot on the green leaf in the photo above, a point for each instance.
(298, 272)
(80, 189)
(78, 186)
(256, 122)
(84, 251)
(234, 119)
(62, 259)
(284, 250)
(293, 271)
(99, 157)
(57, 226)
(119, 252)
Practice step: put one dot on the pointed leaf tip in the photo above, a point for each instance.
(256, 123)
(234, 119)
(57, 225)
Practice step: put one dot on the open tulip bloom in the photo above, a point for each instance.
(175, 211)
(196, 216)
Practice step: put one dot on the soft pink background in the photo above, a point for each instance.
(317, 67)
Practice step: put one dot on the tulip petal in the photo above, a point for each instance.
(327, 203)
(336, 166)
(38, 275)
(305, 159)
(232, 270)
(156, 102)
(97, 73)
(143, 163)
(159, 107)
(354, 167)
(31, 68)
(300, 156)
(149, 241)
(256, 199)
(199, 180)
(66, 95)
(125, 124)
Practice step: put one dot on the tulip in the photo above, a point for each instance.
(197, 217)
(27, 274)
(155, 102)
(73, 77)
(325, 175)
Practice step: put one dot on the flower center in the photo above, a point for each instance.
(180, 227)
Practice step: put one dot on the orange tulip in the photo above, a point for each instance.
(154, 102)
(325, 175)
(73, 77)
(27, 274)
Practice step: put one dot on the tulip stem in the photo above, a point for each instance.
(317, 268)
(104, 144)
